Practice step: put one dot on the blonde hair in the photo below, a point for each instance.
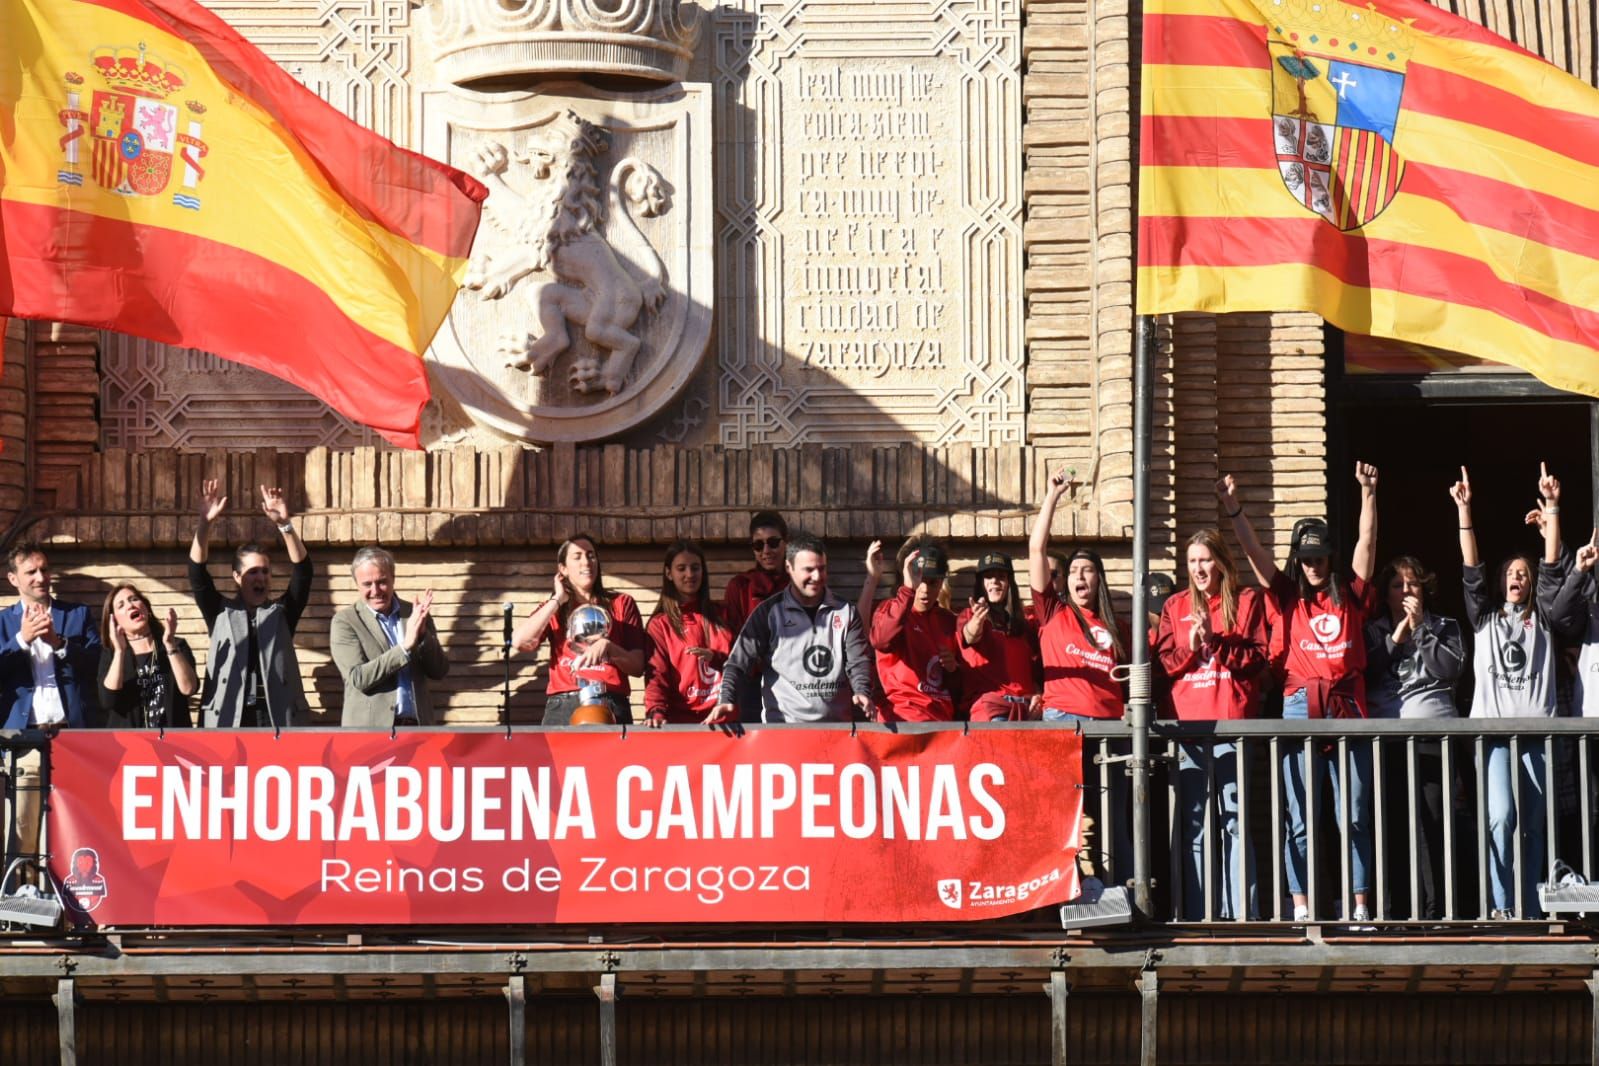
(1211, 540)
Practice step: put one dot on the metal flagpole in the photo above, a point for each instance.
(1140, 704)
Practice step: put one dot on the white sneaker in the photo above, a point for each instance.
(1360, 918)
(1301, 914)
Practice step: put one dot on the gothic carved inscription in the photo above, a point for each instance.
(869, 288)
(874, 217)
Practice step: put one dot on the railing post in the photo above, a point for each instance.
(1059, 990)
(606, 991)
(1593, 997)
(1149, 1019)
(516, 1000)
(67, 1000)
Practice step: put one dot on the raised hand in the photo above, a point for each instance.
(274, 506)
(1537, 517)
(875, 564)
(416, 625)
(1366, 474)
(212, 500)
(119, 639)
(908, 571)
(1062, 480)
(169, 632)
(1460, 491)
(1548, 487)
(1588, 554)
(1227, 492)
(562, 592)
(37, 624)
(1200, 631)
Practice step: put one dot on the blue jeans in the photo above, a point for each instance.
(1115, 867)
(1297, 705)
(1234, 897)
(1499, 783)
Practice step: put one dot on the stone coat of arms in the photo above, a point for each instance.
(587, 304)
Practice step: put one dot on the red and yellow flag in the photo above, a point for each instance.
(160, 176)
(1386, 165)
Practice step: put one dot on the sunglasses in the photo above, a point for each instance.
(769, 544)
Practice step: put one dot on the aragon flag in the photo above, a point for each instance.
(1386, 165)
(160, 176)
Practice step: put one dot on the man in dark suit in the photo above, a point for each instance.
(386, 649)
(49, 652)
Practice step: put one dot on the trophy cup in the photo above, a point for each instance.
(584, 626)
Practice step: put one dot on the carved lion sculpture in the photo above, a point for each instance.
(603, 282)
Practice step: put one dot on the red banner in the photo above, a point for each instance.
(338, 828)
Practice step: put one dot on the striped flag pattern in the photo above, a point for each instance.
(1461, 206)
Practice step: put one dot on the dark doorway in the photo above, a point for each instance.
(1419, 446)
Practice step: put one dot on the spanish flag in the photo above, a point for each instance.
(160, 176)
(1386, 165)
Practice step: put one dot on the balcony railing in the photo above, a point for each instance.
(1475, 803)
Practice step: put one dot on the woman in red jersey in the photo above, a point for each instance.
(607, 661)
(690, 643)
(1080, 640)
(1081, 643)
(1212, 643)
(1000, 669)
(1321, 644)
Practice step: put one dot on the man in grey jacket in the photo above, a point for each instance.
(806, 644)
(252, 676)
(386, 649)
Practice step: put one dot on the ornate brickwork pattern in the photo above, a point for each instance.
(157, 396)
(869, 234)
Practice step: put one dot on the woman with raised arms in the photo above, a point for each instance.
(1321, 643)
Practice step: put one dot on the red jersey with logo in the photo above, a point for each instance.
(1317, 639)
(681, 684)
(745, 593)
(1222, 679)
(998, 663)
(1077, 663)
(627, 630)
(916, 687)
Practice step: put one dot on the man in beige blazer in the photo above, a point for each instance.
(386, 649)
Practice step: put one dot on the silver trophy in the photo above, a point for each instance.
(586, 625)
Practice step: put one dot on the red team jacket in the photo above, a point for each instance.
(917, 687)
(1222, 680)
(996, 666)
(681, 685)
(745, 592)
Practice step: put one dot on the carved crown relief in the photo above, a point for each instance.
(479, 40)
(587, 305)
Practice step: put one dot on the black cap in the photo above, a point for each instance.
(994, 561)
(931, 562)
(1312, 539)
(1158, 588)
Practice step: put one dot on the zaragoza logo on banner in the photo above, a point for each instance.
(1337, 74)
(135, 138)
